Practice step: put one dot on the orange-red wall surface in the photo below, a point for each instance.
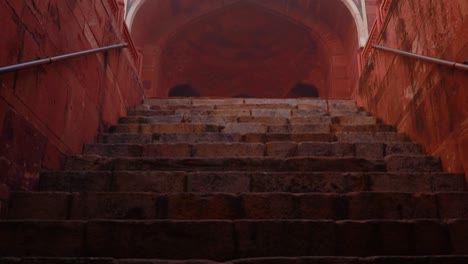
(48, 112)
(425, 100)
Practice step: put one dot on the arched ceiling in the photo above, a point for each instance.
(330, 11)
(173, 32)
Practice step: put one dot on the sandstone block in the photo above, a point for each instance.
(39, 205)
(125, 138)
(268, 206)
(285, 238)
(161, 239)
(458, 231)
(113, 206)
(281, 149)
(164, 119)
(149, 181)
(89, 163)
(447, 182)
(208, 119)
(75, 181)
(403, 149)
(402, 182)
(286, 113)
(263, 120)
(336, 107)
(321, 206)
(196, 138)
(300, 129)
(224, 101)
(174, 150)
(369, 150)
(453, 205)
(308, 112)
(191, 206)
(232, 182)
(310, 120)
(296, 182)
(245, 128)
(113, 150)
(42, 238)
(415, 163)
(325, 149)
(354, 120)
(221, 150)
(391, 206)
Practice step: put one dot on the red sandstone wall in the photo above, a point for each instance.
(426, 101)
(48, 112)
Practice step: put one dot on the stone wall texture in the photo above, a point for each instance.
(425, 100)
(48, 112)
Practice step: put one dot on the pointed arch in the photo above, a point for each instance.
(359, 16)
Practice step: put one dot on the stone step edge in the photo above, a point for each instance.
(270, 149)
(345, 137)
(391, 163)
(350, 206)
(248, 181)
(269, 128)
(227, 240)
(452, 259)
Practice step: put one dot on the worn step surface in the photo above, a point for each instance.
(246, 128)
(249, 118)
(98, 163)
(198, 206)
(270, 260)
(392, 163)
(242, 181)
(271, 149)
(227, 240)
(146, 138)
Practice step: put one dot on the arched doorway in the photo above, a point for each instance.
(256, 47)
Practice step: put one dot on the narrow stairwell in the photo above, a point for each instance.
(252, 181)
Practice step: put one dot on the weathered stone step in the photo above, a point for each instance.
(195, 206)
(241, 101)
(392, 163)
(243, 182)
(98, 163)
(227, 240)
(211, 138)
(246, 128)
(241, 111)
(270, 260)
(319, 104)
(147, 138)
(271, 149)
(270, 120)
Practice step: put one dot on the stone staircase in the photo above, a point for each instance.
(254, 181)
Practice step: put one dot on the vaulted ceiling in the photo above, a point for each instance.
(257, 47)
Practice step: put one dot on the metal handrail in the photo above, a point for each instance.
(452, 64)
(49, 60)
